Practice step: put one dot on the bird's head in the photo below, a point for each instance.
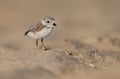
(48, 21)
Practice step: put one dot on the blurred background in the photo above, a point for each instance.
(77, 19)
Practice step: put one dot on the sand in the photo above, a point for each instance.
(84, 45)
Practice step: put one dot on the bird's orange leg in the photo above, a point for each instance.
(43, 46)
(37, 44)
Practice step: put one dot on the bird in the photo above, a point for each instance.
(41, 30)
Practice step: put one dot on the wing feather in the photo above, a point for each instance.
(35, 28)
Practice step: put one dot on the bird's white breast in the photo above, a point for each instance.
(40, 34)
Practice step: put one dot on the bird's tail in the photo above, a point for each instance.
(26, 33)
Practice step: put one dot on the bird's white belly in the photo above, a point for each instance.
(41, 34)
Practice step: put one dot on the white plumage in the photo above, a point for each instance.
(41, 34)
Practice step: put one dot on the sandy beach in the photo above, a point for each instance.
(84, 45)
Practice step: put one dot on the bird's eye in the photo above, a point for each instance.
(48, 21)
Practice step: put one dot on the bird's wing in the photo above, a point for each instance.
(35, 28)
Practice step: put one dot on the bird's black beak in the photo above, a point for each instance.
(54, 24)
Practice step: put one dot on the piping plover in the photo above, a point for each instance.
(41, 30)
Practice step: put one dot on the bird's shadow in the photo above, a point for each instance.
(47, 48)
